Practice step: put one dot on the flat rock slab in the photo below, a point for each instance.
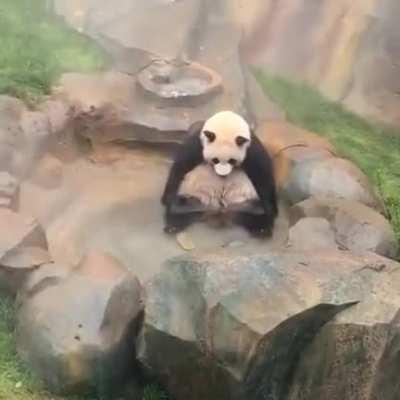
(113, 204)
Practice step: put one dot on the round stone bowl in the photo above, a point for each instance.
(186, 84)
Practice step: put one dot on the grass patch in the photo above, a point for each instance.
(16, 382)
(374, 148)
(36, 48)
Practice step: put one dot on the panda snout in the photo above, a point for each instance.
(223, 169)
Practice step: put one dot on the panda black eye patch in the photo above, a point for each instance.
(232, 161)
(215, 161)
(240, 140)
(210, 136)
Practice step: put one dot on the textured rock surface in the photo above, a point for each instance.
(290, 146)
(19, 231)
(112, 202)
(355, 356)
(23, 247)
(241, 327)
(330, 178)
(346, 48)
(75, 328)
(8, 189)
(207, 34)
(24, 137)
(312, 233)
(356, 226)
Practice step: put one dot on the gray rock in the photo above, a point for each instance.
(356, 226)
(8, 189)
(17, 231)
(11, 136)
(354, 357)
(312, 233)
(23, 247)
(200, 53)
(75, 327)
(330, 178)
(58, 113)
(227, 327)
(24, 137)
(37, 131)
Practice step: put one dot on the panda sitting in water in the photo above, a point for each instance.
(222, 168)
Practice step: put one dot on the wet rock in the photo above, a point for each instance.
(312, 233)
(330, 178)
(357, 227)
(237, 327)
(8, 189)
(75, 327)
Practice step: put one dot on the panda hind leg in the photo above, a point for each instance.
(182, 213)
(257, 224)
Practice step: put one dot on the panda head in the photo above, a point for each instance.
(225, 138)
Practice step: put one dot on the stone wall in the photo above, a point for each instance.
(349, 49)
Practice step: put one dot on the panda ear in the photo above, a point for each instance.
(241, 140)
(196, 128)
(210, 136)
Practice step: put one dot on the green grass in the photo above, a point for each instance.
(373, 147)
(36, 47)
(16, 381)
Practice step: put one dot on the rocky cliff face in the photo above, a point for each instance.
(348, 49)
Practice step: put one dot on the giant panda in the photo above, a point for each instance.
(221, 168)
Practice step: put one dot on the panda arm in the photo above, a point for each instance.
(189, 156)
(258, 167)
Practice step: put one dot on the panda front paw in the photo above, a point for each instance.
(170, 229)
(262, 233)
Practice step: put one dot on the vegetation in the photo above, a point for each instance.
(375, 148)
(35, 48)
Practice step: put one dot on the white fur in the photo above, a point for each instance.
(227, 126)
(217, 192)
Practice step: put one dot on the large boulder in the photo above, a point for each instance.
(291, 146)
(312, 234)
(75, 327)
(335, 178)
(226, 326)
(356, 226)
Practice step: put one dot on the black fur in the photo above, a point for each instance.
(257, 166)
